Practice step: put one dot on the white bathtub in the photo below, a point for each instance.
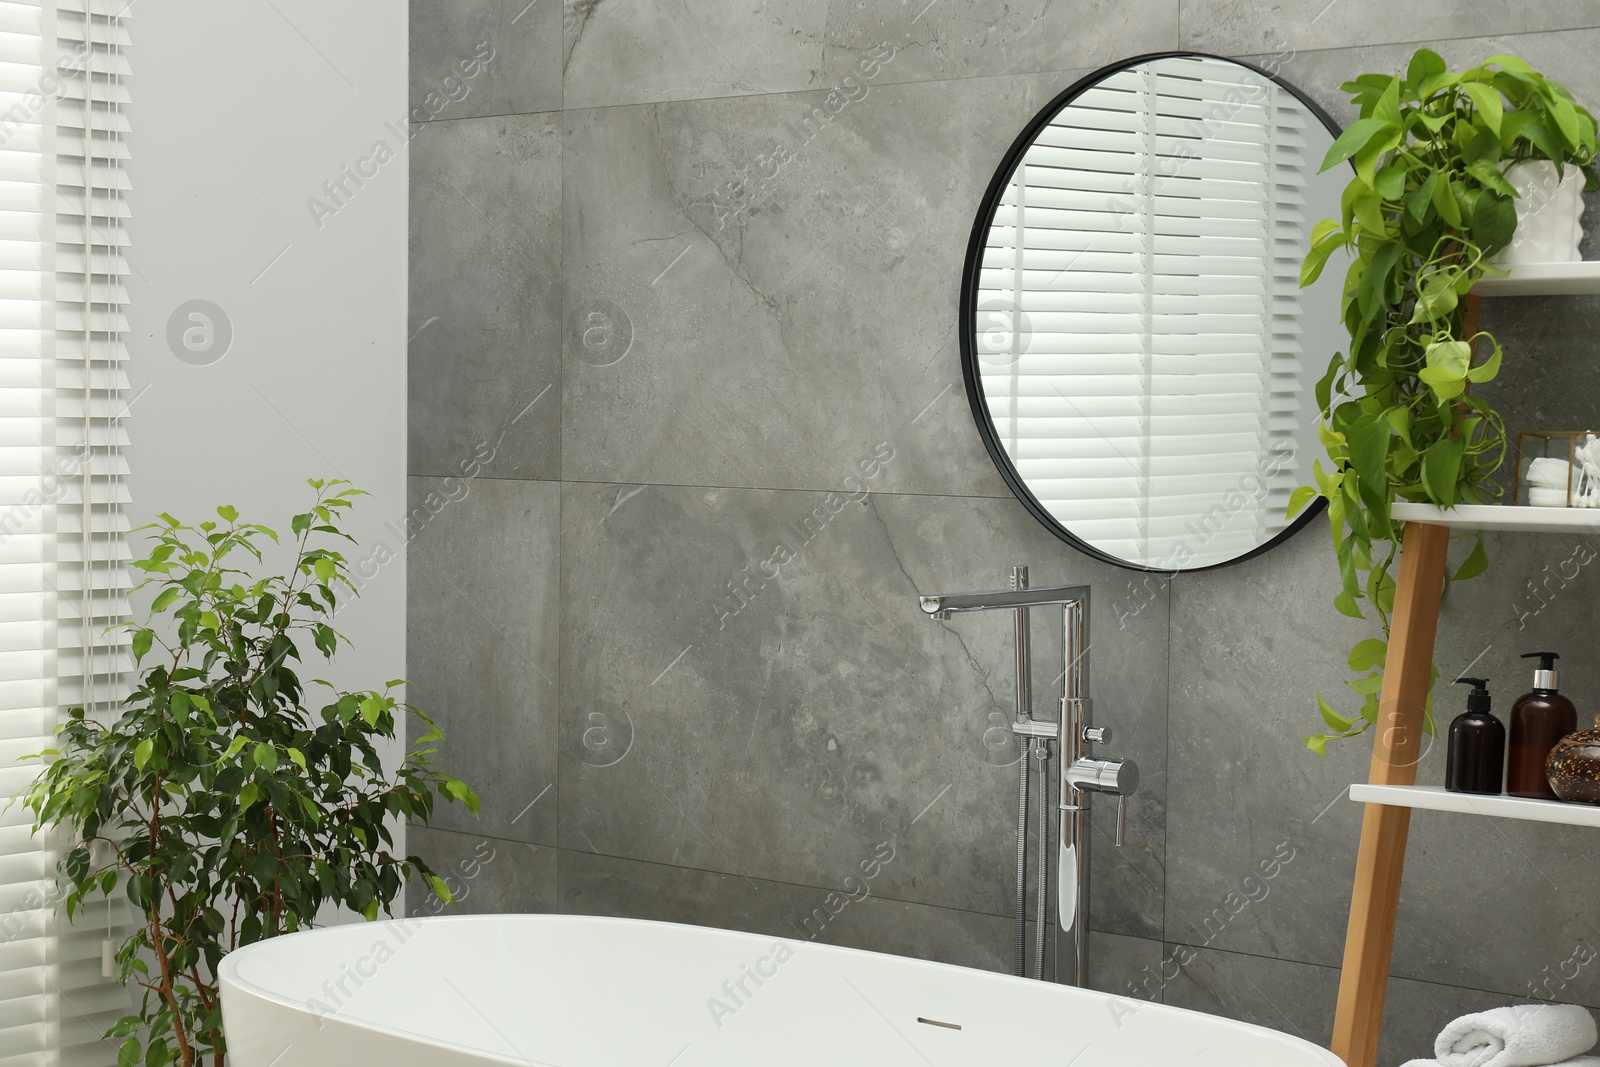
(587, 992)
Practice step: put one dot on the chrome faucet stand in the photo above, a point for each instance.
(1078, 774)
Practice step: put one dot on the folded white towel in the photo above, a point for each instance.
(1524, 1035)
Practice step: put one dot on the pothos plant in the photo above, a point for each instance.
(1427, 207)
(224, 805)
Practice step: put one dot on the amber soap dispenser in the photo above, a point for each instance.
(1475, 762)
(1538, 720)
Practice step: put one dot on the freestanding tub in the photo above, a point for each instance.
(587, 992)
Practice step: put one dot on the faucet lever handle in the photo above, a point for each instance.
(1100, 735)
(1122, 820)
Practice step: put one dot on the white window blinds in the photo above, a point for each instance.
(63, 560)
(1139, 311)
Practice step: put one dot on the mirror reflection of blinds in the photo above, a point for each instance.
(1138, 310)
(63, 562)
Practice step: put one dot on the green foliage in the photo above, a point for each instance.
(1429, 204)
(224, 807)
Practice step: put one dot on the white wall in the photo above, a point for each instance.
(241, 111)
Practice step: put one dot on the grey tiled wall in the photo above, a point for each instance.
(683, 301)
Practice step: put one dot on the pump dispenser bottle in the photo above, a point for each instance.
(1475, 762)
(1538, 720)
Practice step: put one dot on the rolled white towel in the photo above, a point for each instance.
(1525, 1035)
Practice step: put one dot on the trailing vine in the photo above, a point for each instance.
(1428, 206)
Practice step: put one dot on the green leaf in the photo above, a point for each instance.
(1368, 653)
(142, 752)
(1488, 369)
(1494, 222)
(1420, 198)
(1327, 237)
(1515, 64)
(1366, 686)
(1391, 181)
(325, 569)
(265, 757)
(249, 793)
(1331, 717)
(142, 639)
(1488, 173)
(1425, 63)
(370, 710)
(228, 512)
(1356, 137)
(440, 889)
(129, 1053)
(1368, 441)
(1298, 499)
(1444, 201)
(164, 599)
(1449, 356)
(1445, 385)
(298, 757)
(1441, 470)
(1476, 563)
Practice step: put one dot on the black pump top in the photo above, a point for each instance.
(1478, 699)
(1545, 676)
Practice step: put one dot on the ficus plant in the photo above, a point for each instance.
(1428, 205)
(224, 802)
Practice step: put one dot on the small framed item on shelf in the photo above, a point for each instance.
(1558, 468)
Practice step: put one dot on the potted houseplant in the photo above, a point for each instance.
(222, 801)
(1427, 208)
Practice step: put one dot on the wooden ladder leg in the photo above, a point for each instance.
(1396, 747)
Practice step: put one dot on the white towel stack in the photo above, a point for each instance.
(1526, 1035)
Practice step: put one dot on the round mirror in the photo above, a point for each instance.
(1140, 357)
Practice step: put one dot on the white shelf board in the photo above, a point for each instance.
(1501, 517)
(1438, 798)
(1544, 279)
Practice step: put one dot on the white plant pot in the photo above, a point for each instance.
(1548, 213)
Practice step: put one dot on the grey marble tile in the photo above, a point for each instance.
(1295, 998)
(1251, 646)
(592, 884)
(1319, 68)
(485, 303)
(787, 720)
(1122, 965)
(760, 290)
(964, 938)
(1549, 373)
(481, 645)
(605, 885)
(487, 876)
(978, 38)
(634, 51)
(471, 58)
(1231, 26)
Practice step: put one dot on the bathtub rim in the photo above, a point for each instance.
(227, 974)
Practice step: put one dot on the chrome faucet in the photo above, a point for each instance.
(1078, 773)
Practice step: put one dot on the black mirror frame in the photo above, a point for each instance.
(968, 313)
